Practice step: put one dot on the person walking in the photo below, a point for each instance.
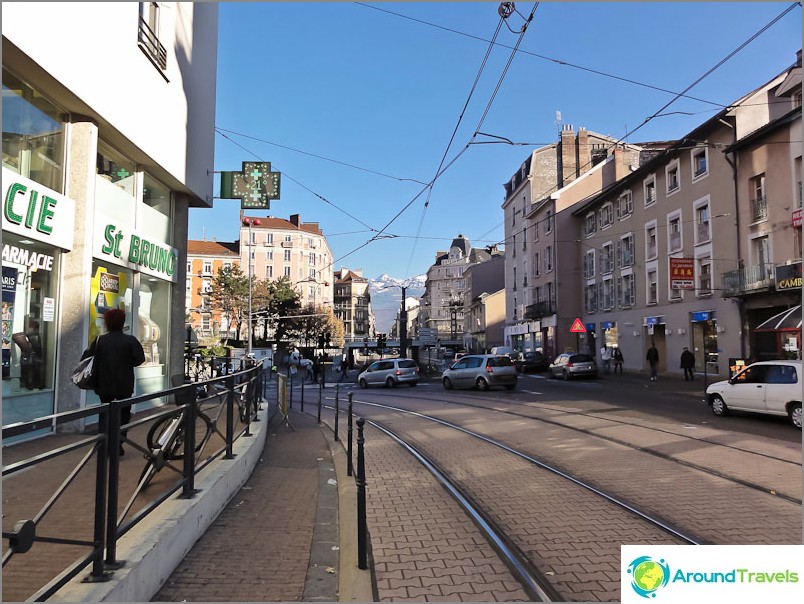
(344, 368)
(653, 360)
(688, 364)
(605, 356)
(617, 356)
(116, 355)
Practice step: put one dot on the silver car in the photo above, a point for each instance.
(481, 371)
(390, 373)
(573, 364)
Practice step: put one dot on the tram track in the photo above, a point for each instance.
(650, 450)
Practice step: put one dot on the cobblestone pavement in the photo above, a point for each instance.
(259, 547)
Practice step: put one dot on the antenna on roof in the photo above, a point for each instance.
(203, 233)
(558, 120)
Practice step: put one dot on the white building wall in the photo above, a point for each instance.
(122, 87)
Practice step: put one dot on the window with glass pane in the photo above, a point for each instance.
(650, 192)
(33, 134)
(116, 169)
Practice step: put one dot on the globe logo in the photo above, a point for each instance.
(648, 575)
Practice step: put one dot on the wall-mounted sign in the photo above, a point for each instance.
(698, 317)
(796, 218)
(48, 309)
(682, 273)
(255, 185)
(788, 276)
(126, 247)
(36, 212)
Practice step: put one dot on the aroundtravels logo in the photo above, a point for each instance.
(648, 575)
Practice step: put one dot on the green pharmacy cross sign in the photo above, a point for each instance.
(255, 185)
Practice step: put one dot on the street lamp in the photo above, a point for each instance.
(249, 222)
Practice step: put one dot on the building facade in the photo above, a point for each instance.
(353, 304)
(205, 259)
(484, 303)
(542, 257)
(442, 304)
(289, 248)
(655, 244)
(97, 186)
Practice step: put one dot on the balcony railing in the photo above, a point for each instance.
(675, 241)
(151, 46)
(759, 209)
(539, 310)
(748, 280)
(702, 231)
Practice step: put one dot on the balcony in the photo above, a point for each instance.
(748, 280)
(759, 209)
(539, 310)
(287, 244)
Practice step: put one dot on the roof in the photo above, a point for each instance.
(348, 276)
(281, 224)
(462, 243)
(757, 134)
(212, 248)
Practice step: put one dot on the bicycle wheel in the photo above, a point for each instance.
(167, 435)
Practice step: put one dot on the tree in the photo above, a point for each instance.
(278, 306)
(229, 295)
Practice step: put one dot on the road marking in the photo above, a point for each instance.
(531, 392)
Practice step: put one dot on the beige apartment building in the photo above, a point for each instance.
(657, 245)
(276, 248)
(542, 256)
(484, 303)
(353, 304)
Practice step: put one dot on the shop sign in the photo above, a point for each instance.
(698, 317)
(36, 212)
(788, 276)
(608, 324)
(33, 260)
(651, 320)
(682, 273)
(132, 249)
(589, 326)
(797, 218)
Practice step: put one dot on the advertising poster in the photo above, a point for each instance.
(9, 294)
(682, 273)
(108, 290)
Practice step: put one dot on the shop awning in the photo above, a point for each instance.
(788, 320)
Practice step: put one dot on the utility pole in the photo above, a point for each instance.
(403, 327)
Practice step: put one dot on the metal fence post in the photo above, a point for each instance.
(100, 495)
(320, 396)
(230, 417)
(190, 414)
(362, 528)
(113, 451)
(337, 409)
(290, 379)
(349, 438)
(302, 395)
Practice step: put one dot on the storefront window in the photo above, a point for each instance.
(33, 134)
(152, 332)
(155, 210)
(704, 341)
(115, 192)
(30, 296)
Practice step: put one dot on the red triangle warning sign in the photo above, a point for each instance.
(577, 327)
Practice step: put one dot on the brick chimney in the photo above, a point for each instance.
(569, 165)
(584, 157)
(622, 158)
(294, 220)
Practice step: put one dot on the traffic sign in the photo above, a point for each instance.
(577, 327)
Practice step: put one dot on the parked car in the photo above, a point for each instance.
(481, 371)
(498, 350)
(532, 361)
(390, 373)
(770, 387)
(573, 364)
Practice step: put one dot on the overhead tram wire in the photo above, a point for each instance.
(485, 113)
(539, 56)
(681, 94)
(286, 175)
(335, 161)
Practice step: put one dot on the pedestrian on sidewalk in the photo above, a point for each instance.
(617, 356)
(116, 355)
(316, 367)
(605, 356)
(688, 364)
(344, 368)
(653, 360)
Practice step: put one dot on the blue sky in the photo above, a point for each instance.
(383, 93)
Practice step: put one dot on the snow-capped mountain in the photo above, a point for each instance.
(386, 297)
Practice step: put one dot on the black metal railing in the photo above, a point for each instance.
(55, 496)
(151, 46)
(751, 279)
(537, 310)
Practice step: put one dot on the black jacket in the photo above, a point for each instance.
(687, 360)
(116, 356)
(653, 354)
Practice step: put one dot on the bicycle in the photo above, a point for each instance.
(165, 440)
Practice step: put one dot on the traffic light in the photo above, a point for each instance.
(327, 337)
(380, 341)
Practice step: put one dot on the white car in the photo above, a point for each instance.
(770, 387)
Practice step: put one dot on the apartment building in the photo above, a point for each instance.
(655, 244)
(205, 259)
(353, 304)
(542, 258)
(275, 247)
(108, 139)
(484, 303)
(442, 306)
